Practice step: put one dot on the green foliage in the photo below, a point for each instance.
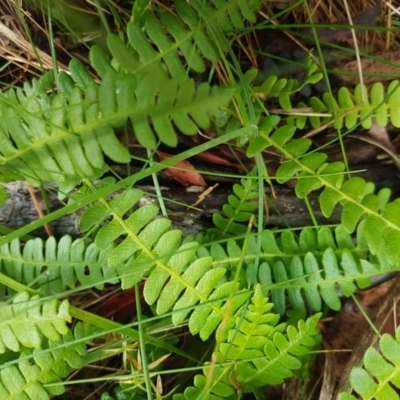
(240, 208)
(379, 375)
(218, 288)
(255, 352)
(31, 376)
(61, 137)
(283, 89)
(348, 109)
(380, 218)
(308, 269)
(55, 266)
(196, 31)
(27, 319)
(37, 347)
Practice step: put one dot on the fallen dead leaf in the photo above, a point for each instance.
(183, 172)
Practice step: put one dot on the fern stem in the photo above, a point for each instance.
(365, 315)
(310, 211)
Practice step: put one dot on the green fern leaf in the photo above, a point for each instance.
(65, 136)
(194, 31)
(32, 376)
(240, 209)
(280, 351)
(54, 266)
(23, 322)
(255, 352)
(353, 107)
(204, 286)
(380, 371)
(189, 286)
(158, 277)
(307, 269)
(174, 287)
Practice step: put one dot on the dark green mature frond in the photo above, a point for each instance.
(255, 352)
(311, 267)
(65, 136)
(195, 31)
(54, 266)
(379, 376)
(305, 270)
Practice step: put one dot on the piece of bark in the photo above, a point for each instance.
(285, 209)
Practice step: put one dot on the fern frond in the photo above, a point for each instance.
(304, 269)
(144, 245)
(27, 320)
(31, 376)
(381, 226)
(65, 136)
(312, 267)
(54, 266)
(182, 286)
(239, 209)
(194, 32)
(379, 373)
(256, 352)
(283, 89)
(347, 108)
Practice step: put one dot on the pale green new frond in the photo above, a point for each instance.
(347, 109)
(379, 376)
(27, 320)
(256, 352)
(192, 289)
(144, 245)
(31, 376)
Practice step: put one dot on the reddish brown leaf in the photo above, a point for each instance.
(213, 158)
(183, 172)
